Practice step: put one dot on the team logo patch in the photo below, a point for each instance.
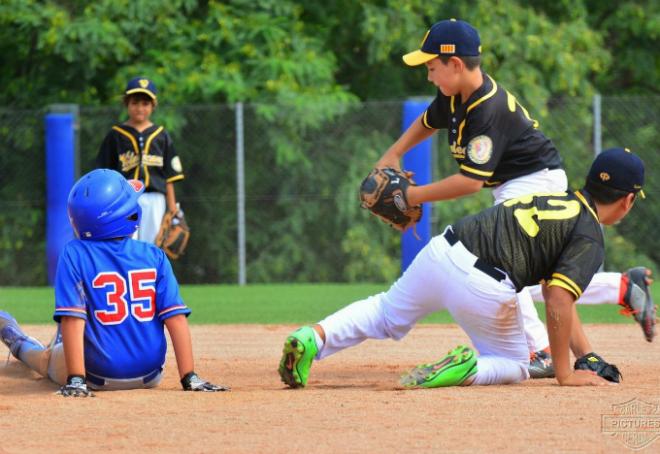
(176, 164)
(447, 48)
(604, 176)
(137, 185)
(480, 149)
(144, 83)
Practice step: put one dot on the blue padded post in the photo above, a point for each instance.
(60, 169)
(418, 160)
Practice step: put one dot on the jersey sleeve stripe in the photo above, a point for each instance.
(475, 171)
(71, 309)
(173, 308)
(568, 281)
(425, 122)
(558, 283)
(174, 178)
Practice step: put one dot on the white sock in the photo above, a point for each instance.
(319, 341)
(494, 370)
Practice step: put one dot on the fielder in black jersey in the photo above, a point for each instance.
(146, 155)
(553, 238)
(496, 144)
(474, 270)
(491, 136)
(141, 150)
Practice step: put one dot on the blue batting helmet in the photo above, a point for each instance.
(103, 205)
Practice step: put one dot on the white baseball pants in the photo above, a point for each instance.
(153, 210)
(50, 362)
(442, 276)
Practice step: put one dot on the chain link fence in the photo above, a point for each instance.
(302, 219)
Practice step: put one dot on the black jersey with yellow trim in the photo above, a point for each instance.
(554, 238)
(149, 156)
(491, 135)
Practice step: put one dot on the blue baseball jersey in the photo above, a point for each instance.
(124, 290)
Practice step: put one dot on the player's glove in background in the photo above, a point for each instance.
(192, 382)
(76, 386)
(173, 235)
(594, 362)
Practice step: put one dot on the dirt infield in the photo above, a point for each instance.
(352, 403)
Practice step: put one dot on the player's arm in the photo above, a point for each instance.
(73, 331)
(179, 331)
(451, 187)
(170, 197)
(580, 345)
(560, 315)
(415, 134)
(107, 156)
(177, 326)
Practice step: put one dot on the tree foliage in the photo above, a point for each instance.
(301, 67)
(315, 51)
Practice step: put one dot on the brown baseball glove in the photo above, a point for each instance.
(173, 234)
(384, 193)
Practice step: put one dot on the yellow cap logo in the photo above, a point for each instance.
(604, 176)
(144, 83)
(447, 49)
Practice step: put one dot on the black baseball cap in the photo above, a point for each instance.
(141, 85)
(618, 168)
(447, 37)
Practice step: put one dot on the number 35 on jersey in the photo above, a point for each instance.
(140, 290)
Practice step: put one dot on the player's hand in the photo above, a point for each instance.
(388, 160)
(583, 378)
(192, 382)
(76, 386)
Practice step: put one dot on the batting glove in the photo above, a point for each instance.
(192, 382)
(76, 386)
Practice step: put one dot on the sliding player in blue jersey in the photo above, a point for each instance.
(113, 298)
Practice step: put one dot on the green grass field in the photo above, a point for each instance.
(263, 304)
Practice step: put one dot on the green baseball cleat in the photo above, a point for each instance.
(452, 370)
(297, 356)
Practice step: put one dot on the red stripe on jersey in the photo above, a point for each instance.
(71, 309)
(170, 309)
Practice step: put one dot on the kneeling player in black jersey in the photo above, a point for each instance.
(474, 270)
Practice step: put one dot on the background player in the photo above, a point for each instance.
(144, 151)
(496, 145)
(113, 296)
(474, 270)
